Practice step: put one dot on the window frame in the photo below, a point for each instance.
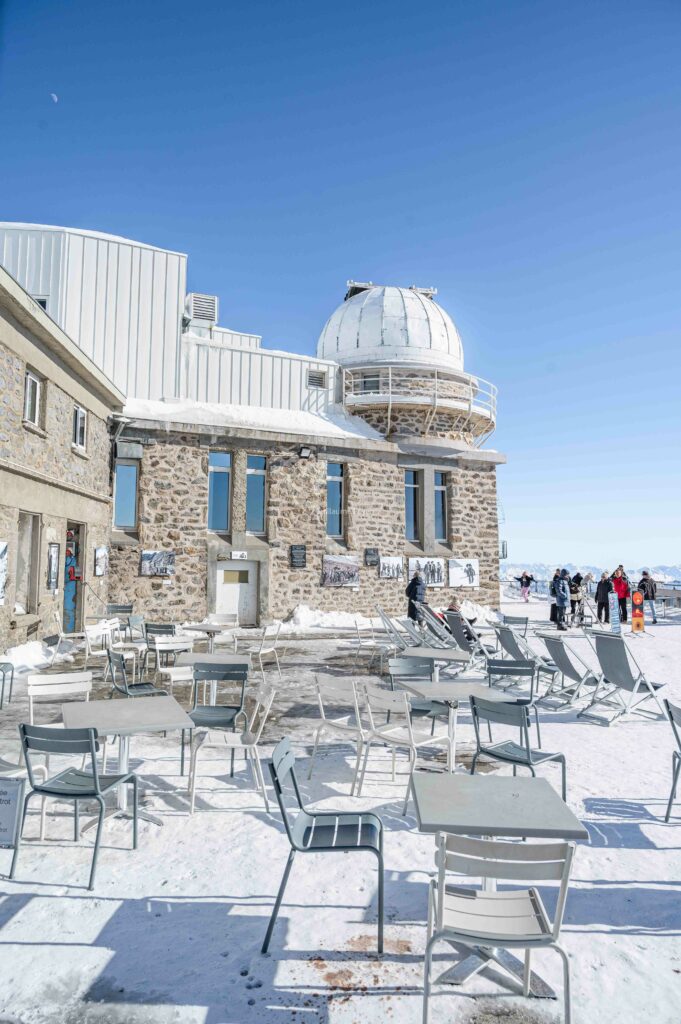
(79, 417)
(136, 464)
(212, 471)
(339, 479)
(262, 473)
(440, 489)
(367, 379)
(32, 376)
(416, 488)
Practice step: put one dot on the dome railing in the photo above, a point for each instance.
(470, 396)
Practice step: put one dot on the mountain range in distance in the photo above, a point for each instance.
(545, 570)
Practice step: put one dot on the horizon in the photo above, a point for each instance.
(524, 160)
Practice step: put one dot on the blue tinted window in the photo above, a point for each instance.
(255, 503)
(221, 460)
(440, 506)
(125, 495)
(411, 505)
(218, 502)
(256, 462)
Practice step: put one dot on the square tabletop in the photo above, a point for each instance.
(206, 627)
(214, 659)
(492, 805)
(126, 717)
(452, 691)
(436, 654)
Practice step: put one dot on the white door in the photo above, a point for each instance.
(236, 592)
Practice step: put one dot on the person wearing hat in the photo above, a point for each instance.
(603, 591)
(648, 588)
(415, 591)
(562, 598)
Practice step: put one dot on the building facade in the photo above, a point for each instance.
(55, 469)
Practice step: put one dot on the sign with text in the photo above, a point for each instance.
(371, 556)
(637, 621)
(614, 606)
(11, 804)
(240, 554)
(298, 556)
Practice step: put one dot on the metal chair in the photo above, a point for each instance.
(71, 784)
(517, 622)
(484, 917)
(415, 668)
(674, 715)
(435, 625)
(214, 715)
(571, 667)
(516, 671)
(151, 631)
(516, 715)
(517, 648)
(120, 684)
(5, 667)
(622, 687)
(327, 832)
(348, 723)
(468, 639)
(62, 636)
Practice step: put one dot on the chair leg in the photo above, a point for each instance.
(563, 768)
(135, 801)
(182, 753)
(473, 763)
(259, 775)
(95, 855)
(314, 750)
(364, 768)
(526, 973)
(380, 899)
(357, 764)
(426, 975)
(412, 766)
(277, 902)
(393, 760)
(536, 717)
(566, 982)
(15, 855)
(676, 768)
(104, 756)
(76, 821)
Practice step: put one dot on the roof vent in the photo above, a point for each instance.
(202, 308)
(316, 379)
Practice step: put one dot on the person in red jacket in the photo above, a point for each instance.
(621, 588)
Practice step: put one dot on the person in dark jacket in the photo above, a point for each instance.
(648, 588)
(603, 591)
(576, 595)
(552, 591)
(562, 592)
(621, 588)
(415, 591)
(525, 580)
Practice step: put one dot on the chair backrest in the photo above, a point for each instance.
(459, 631)
(270, 637)
(519, 622)
(505, 861)
(209, 672)
(159, 629)
(410, 668)
(380, 702)
(282, 770)
(57, 686)
(506, 667)
(136, 625)
(674, 715)
(510, 642)
(339, 693)
(264, 698)
(38, 739)
(119, 609)
(391, 630)
(562, 655)
(435, 625)
(613, 659)
(119, 673)
(97, 638)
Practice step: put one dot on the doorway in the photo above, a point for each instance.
(236, 591)
(73, 578)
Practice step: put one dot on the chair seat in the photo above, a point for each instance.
(145, 690)
(338, 831)
(496, 916)
(239, 740)
(514, 752)
(213, 717)
(76, 783)
(343, 725)
(399, 736)
(177, 673)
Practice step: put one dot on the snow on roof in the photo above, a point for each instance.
(335, 422)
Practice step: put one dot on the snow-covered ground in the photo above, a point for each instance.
(172, 933)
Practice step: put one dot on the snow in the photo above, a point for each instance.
(172, 932)
(335, 422)
(36, 655)
(304, 618)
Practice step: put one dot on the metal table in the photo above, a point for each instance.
(126, 718)
(451, 694)
(448, 655)
(235, 660)
(209, 629)
(499, 806)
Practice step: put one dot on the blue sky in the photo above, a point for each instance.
(523, 157)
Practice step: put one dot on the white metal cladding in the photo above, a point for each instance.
(121, 301)
(256, 377)
(222, 336)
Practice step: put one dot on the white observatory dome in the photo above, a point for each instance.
(379, 325)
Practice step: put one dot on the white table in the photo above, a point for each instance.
(493, 805)
(451, 694)
(225, 660)
(126, 718)
(437, 656)
(209, 629)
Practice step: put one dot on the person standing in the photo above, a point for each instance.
(603, 591)
(525, 580)
(553, 616)
(648, 588)
(576, 596)
(621, 588)
(562, 592)
(415, 591)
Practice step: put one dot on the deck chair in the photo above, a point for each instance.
(342, 696)
(623, 686)
(575, 674)
(468, 639)
(424, 639)
(371, 645)
(674, 715)
(72, 783)
(518, 648)
(517, 622)
(506, 919)
(312, 832)
(515, 714)
(435, 625)
(399, 640)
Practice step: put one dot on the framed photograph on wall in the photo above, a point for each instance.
(391, 567)
(464, 572)
(157, 563)
(432, 570)
(340, 571)
(53, 567)
(101, 561)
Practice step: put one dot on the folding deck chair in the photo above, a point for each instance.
(622, 687)
(461, 628)
(575, 674)
(518, 648)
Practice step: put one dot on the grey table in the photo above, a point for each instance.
(125, 718)
(451, 693)
(236, 660)
(437, 655)
(492, 805)
(209, 629)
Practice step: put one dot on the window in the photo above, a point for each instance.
(125, 494)
(219, 471)
(79, 427)
(316, 379)
(256, 469)
(411, 504)
(42, 301)
(32, 396)
(371, 383)
(441, 506)
(335, 483)
(28, 564)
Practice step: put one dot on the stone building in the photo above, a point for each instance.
(55, 503)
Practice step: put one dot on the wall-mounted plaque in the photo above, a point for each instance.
(240, 554)
(371, 556)
(53, 567)
(298, 556)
